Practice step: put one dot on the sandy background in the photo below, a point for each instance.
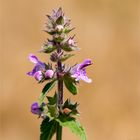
(108, 31)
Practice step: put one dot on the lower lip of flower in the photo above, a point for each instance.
(38, 75)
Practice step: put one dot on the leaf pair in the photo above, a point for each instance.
(69, 83)
(48, 128)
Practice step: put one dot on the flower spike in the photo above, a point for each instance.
(55, 112)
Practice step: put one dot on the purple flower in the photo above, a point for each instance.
(49, 74)
(38, 69)
(35, 109)
(79, 72)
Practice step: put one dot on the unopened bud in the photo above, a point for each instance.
(59, 28)
(71, 42)
(35, 109)
(49, 74)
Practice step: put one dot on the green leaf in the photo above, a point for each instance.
(66, 30)
(68, 48)
(52, 106)
(72, 106)
(53, 111)
(74, 126)
(60, 20)
(45, 90)
(59, 39)
(70, 85)
(65, 57)
(48, 48)
(48, 129)
(52, 100)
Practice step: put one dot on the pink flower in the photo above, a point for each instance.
(79, 72)
(49, 74)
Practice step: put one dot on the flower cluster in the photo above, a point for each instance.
(59, 47)
(41, 71)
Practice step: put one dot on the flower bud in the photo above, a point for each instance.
(59, 28)
(38, 75)
(49, 74)
(35, 109)
(71, 42)
(54, 57)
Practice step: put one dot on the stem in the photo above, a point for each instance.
(60, 95)
(59, 132)
(60, 81)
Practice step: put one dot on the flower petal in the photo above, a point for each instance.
(86, 79)
(33, 58)
(30, 73)
(38, 75)
(35, 69)
(49, 73)
(85, 63)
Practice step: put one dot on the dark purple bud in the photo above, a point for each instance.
(56, 56)
(35, 109)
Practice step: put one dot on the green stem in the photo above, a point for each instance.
(59, 132)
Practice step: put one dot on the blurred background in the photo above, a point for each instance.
(108, 32)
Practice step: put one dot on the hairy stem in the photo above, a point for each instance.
(60, 95)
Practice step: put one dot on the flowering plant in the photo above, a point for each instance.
(55, 112)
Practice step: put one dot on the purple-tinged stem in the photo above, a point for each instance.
(60, 95)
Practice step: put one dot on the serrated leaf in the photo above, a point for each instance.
(72, 106)
(74, 126)
(48, 129)
(52, 100)
(70, 85)
(66, 56)
(45, 90)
